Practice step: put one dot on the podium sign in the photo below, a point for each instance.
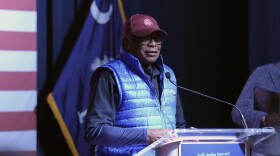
(212, 149)
(208, 142)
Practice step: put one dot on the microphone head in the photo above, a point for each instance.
(167, 75)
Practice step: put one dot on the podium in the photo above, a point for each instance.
(208, 142)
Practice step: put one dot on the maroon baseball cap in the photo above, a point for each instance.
(141, 25)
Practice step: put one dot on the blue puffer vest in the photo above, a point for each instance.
(139, 106)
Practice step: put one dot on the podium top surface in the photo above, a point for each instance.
(221, 135)
(237, 130)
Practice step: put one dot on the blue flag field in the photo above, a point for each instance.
(98, 42)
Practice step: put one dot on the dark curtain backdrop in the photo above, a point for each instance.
(211, 45)
(264, 32)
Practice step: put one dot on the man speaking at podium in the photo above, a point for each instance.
(132, 103)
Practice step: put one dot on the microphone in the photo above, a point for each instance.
(168, 76)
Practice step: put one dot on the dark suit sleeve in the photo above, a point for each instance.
(180, 120)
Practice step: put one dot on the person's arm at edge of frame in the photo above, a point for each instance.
(245, 101)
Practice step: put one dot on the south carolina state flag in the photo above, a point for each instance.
(99, 42)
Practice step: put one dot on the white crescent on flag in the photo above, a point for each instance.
(101, 17)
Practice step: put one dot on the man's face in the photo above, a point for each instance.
(147, 48)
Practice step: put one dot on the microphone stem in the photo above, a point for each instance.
(243, 119)
(206, 96)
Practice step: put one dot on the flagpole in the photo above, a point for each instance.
(122, 11)
(62, 125)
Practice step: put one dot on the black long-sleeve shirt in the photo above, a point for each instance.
(102, 112)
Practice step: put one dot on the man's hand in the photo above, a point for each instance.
(155, 134)
(272, 119)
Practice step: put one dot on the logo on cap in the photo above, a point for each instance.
(148, 22)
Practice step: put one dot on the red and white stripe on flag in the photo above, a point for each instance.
(18, 70)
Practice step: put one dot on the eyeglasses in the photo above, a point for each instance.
(148, 39)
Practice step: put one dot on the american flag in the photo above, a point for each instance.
(18, 69)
